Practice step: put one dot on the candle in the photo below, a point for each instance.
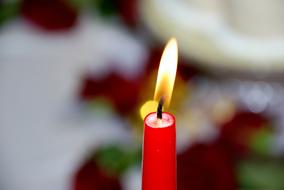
(159, 144)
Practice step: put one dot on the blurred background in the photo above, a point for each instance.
(75, 73)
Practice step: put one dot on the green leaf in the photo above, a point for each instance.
(106, 8)
(116, 160)
(8, 10)
(261, 141)
(261, 174)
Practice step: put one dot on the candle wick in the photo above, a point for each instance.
(160, 108)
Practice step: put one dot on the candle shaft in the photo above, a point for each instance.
(159, 154)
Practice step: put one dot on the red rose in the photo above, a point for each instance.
(91, 177)
(49, 14)
(128, 10)
(185, 70)
(205, 167)
(121, 92)
(236, 134)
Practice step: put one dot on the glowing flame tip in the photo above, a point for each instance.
(167, 72)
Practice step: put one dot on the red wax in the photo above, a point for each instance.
(159, 153)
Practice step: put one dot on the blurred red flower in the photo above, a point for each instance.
(236, 134)
(184, 70)
(49, 14)
(122, 93)
(91, 177)
(128, 11)
(205, 167)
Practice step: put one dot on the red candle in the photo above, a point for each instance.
(159, 153)
(159, 145)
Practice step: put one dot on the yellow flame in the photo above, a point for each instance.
(167, 73)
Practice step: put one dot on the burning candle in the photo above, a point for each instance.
(159, 145)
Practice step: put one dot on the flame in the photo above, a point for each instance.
(167, 73)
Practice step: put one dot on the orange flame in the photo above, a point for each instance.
(167, 73)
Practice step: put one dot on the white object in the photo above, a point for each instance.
(207, 36)
(41, 144)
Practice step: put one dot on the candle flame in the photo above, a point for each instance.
(167, 73)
